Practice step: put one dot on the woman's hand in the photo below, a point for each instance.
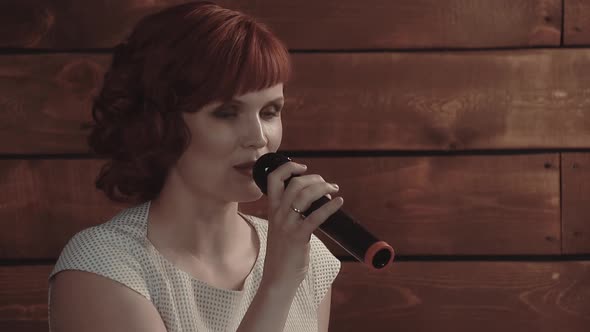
(288, 240)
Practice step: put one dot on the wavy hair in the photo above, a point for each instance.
(176, 60)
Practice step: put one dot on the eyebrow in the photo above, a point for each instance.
(239, 102)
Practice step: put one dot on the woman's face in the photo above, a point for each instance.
(228, 134)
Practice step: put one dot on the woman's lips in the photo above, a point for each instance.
(247, 171)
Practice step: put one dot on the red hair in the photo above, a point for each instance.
(174, 61)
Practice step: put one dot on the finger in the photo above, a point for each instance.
(276, 182)
(299, 183)
(319, 216)
(311, 193)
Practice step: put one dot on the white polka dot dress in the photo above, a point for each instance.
(120, 250)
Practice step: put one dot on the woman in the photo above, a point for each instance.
(195, 91)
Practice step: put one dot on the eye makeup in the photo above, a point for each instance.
(229, 112)
(230, 108)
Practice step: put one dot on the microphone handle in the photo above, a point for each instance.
(352, 236)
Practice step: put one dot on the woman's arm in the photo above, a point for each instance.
(86, 302)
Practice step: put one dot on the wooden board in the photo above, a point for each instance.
(395, 101)
(46, 101)
(24, 294)
(452, 101)
(323, 25)
(408, 296)
(463, 296)
(420, 205)
(575, 189)
(576, 27)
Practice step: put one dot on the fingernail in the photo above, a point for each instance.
(335, 185)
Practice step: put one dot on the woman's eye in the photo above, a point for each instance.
(232, 113)
(225, 115)
(276, 112)
(226, 112)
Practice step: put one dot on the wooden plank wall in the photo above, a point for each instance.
(458, 131)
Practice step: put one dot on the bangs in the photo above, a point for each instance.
(244, 56)
(266, 63)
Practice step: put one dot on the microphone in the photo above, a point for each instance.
(340, 227)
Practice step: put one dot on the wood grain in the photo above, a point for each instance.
(24, 293)
(45, 202)
(440, 101)
(323, 25)
(576, 25)
(408, 296)
(396, 101)
(463, 296)
(575, 189)
(427, 99)
(45, 101)
(420, 205)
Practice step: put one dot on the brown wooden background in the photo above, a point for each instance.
(458, 131)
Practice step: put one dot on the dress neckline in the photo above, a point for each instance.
(247, 281)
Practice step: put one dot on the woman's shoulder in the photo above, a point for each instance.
(122, 230)
(110, 249)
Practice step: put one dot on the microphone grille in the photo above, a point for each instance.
(265, 165)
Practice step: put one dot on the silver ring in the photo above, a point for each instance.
(298, 211)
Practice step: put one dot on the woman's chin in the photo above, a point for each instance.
(253, 194)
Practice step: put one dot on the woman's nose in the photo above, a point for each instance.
(255, 134)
